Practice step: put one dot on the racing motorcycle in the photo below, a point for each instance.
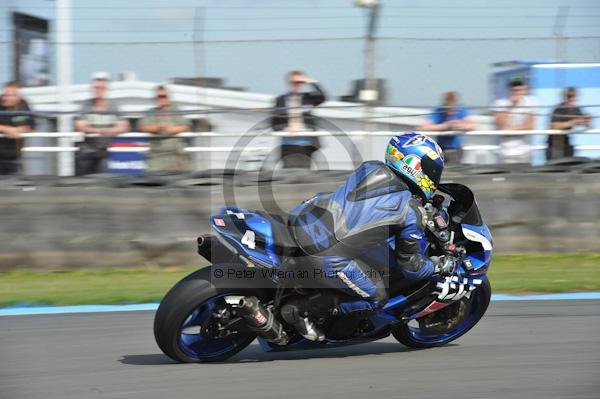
(205, 319)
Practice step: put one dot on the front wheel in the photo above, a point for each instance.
(185, 321)
(448, 324)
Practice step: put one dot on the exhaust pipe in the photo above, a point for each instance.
(204, 246)
(215, 251)
(262, 320)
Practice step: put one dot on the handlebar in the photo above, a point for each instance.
(455, 250)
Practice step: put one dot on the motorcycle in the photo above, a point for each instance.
(202, 320)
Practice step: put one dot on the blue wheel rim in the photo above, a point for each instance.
(194, 344)
(477, 303)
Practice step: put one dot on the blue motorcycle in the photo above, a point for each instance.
(257, 267)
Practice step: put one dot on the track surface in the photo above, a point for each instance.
(548, 349)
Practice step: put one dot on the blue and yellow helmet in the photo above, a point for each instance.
(418, 160)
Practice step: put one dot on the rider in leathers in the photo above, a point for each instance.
(379, 204)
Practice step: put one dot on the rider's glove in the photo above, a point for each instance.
(444, 265)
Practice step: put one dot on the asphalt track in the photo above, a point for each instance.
(521, 349)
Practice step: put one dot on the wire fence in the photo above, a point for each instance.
(416, 70)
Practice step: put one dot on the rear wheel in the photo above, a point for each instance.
(448, 324)
(187, 319)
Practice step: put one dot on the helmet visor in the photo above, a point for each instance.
(432, 169)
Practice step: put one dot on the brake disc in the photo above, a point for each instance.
(445, 319)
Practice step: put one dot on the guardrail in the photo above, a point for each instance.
(474, 133)
(69, 150)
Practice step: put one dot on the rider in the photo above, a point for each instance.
(378, 204)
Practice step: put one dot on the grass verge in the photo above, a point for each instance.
(516, 274)
(520, 274)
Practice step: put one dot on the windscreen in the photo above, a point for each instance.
(464, 205)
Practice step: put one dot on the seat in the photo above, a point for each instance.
(283, 240)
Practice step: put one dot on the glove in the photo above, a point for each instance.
(454, 288)
(444, 265)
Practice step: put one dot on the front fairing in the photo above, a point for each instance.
(469, 229)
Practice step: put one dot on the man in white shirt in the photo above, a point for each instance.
(515, 113)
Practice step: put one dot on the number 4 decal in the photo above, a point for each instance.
(248, 239)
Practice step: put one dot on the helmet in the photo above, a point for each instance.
(418, 160)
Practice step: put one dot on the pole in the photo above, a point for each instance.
(370, 93)
(559, 33)
(200, 161)
(66, 164)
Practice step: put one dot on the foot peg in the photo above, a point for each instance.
(291, 314)
(308, 330)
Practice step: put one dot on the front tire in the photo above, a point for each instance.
(186, 307)
(416, 337)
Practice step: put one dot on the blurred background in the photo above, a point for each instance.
(123, 122)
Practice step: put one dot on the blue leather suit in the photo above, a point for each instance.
(372, 212)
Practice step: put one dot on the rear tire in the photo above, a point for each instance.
(410, 337)
(189, 294)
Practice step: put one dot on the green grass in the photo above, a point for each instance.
(545, 274)
(88, 286)
(509, 274)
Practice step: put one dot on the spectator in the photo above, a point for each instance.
(166, 153)
(564, 117)
(98, 117)
(515, 113)
(291, 116)
(450, 116)
(14, 121)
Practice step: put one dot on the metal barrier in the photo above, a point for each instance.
(75, 136)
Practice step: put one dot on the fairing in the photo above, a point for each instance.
(232, 225)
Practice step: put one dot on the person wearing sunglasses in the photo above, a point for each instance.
(292, 115)
(166, 150)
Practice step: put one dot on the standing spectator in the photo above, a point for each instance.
(166, 153)
(15, 120)
(564, 117)
(515, 113)
(98, 117)
(450, 116)
(292, 115)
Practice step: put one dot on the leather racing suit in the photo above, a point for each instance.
(372, 211)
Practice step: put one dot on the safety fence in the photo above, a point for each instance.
(244, 143)
(213, 150)
(486, 133)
